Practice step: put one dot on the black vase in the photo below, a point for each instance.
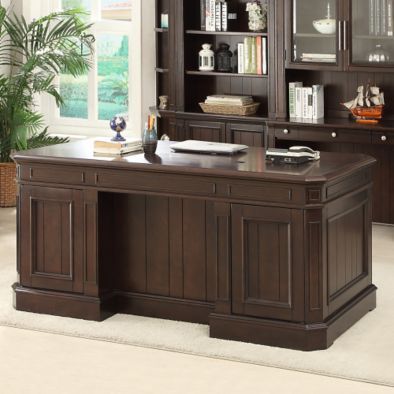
(223, 58)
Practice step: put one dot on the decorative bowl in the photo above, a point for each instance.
(325, 26)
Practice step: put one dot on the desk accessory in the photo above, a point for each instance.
(195, 146)
(149, 138)
(118, 124)
(293, 155)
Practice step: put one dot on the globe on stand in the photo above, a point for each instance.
(118, 124)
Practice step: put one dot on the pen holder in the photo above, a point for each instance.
(149, 141)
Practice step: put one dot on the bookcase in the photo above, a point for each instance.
(290, 35)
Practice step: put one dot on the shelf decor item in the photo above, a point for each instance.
(367, 107)
(239, 110)
(257, 15)
(163, 102)
(118, 124)
(327, 25)
(206, 58)
(223, 58)
(379, 55)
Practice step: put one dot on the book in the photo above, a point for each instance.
(106, 146)
(390, 29)
(307, 103)
(318, 101)
(292, 98)
(210, 15)
(229, 100)
(259, 52)
(247, 55)
(203, 14)
(218, 16)
(241, 63)
(253, 55)
(371, 17)
(384, 17)
(378, 17)
(224, 16)
(299, 104)
(264, 54)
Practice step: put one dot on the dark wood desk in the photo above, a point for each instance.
(276, 255)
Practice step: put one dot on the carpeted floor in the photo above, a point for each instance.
(365, 352)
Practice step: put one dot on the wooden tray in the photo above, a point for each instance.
(245, 110)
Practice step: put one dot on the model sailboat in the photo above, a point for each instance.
(368, 106)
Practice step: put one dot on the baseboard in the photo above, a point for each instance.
(61, 304)
(299, 336)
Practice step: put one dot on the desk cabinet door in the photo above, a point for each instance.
(51, 233)
(205, 131)
(246, 134)
(267, 264)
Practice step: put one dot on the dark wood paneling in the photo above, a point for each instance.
(265, 263)
(246, 134)
(52, 254)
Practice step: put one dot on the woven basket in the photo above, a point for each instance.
(7, 185)
(245, 110)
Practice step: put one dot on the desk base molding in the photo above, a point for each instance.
(299, 336)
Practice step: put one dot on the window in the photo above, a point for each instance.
(113, 86)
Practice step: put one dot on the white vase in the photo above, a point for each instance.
(206, 58)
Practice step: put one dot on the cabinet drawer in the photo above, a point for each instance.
(161, 182)
(56, 175)
(382, 138)
(324, 135)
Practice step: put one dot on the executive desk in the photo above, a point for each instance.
(269, 254)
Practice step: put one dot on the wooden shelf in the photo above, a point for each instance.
(161, 30)
(219, 74)
(227, 33)
(367, 37)
(314, 35)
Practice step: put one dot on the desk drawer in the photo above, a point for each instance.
(158, 182)
(324, 135)
(56, 175)
(382, 138)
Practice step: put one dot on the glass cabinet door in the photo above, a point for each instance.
(372, 33)
(314, 32)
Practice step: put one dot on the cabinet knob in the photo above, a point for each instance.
(334, 134)
(286, 131)
(383, 138)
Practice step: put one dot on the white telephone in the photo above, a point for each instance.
(293, 155)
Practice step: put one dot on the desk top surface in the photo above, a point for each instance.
(250, 164)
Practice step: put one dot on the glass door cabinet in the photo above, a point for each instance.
(340, 34)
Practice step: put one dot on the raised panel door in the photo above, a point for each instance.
(267, 262)
(246, 134)
(52, 229)
(205, 131)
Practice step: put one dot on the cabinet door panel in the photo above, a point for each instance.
(246, 134)
(205, 131)
(267, 262)
(51, 224)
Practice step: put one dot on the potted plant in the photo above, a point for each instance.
(32, 56)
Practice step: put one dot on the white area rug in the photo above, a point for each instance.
(364, 353)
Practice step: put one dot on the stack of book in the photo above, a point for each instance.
(230, 105)
(105, 146)
(229, 100)
(306, 102)
(381, 18)
(319, 57)
(253, 56)
(214, 15)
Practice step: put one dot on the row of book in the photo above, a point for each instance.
(105, 146)
(253, 56)
(214, 15)
(306, 102)
(381, 18)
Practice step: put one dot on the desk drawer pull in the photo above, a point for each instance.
(334, 134)
(383, 138)
(286, 131)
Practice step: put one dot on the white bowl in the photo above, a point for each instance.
(325, 26)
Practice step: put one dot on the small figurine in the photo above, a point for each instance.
(118, 124)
